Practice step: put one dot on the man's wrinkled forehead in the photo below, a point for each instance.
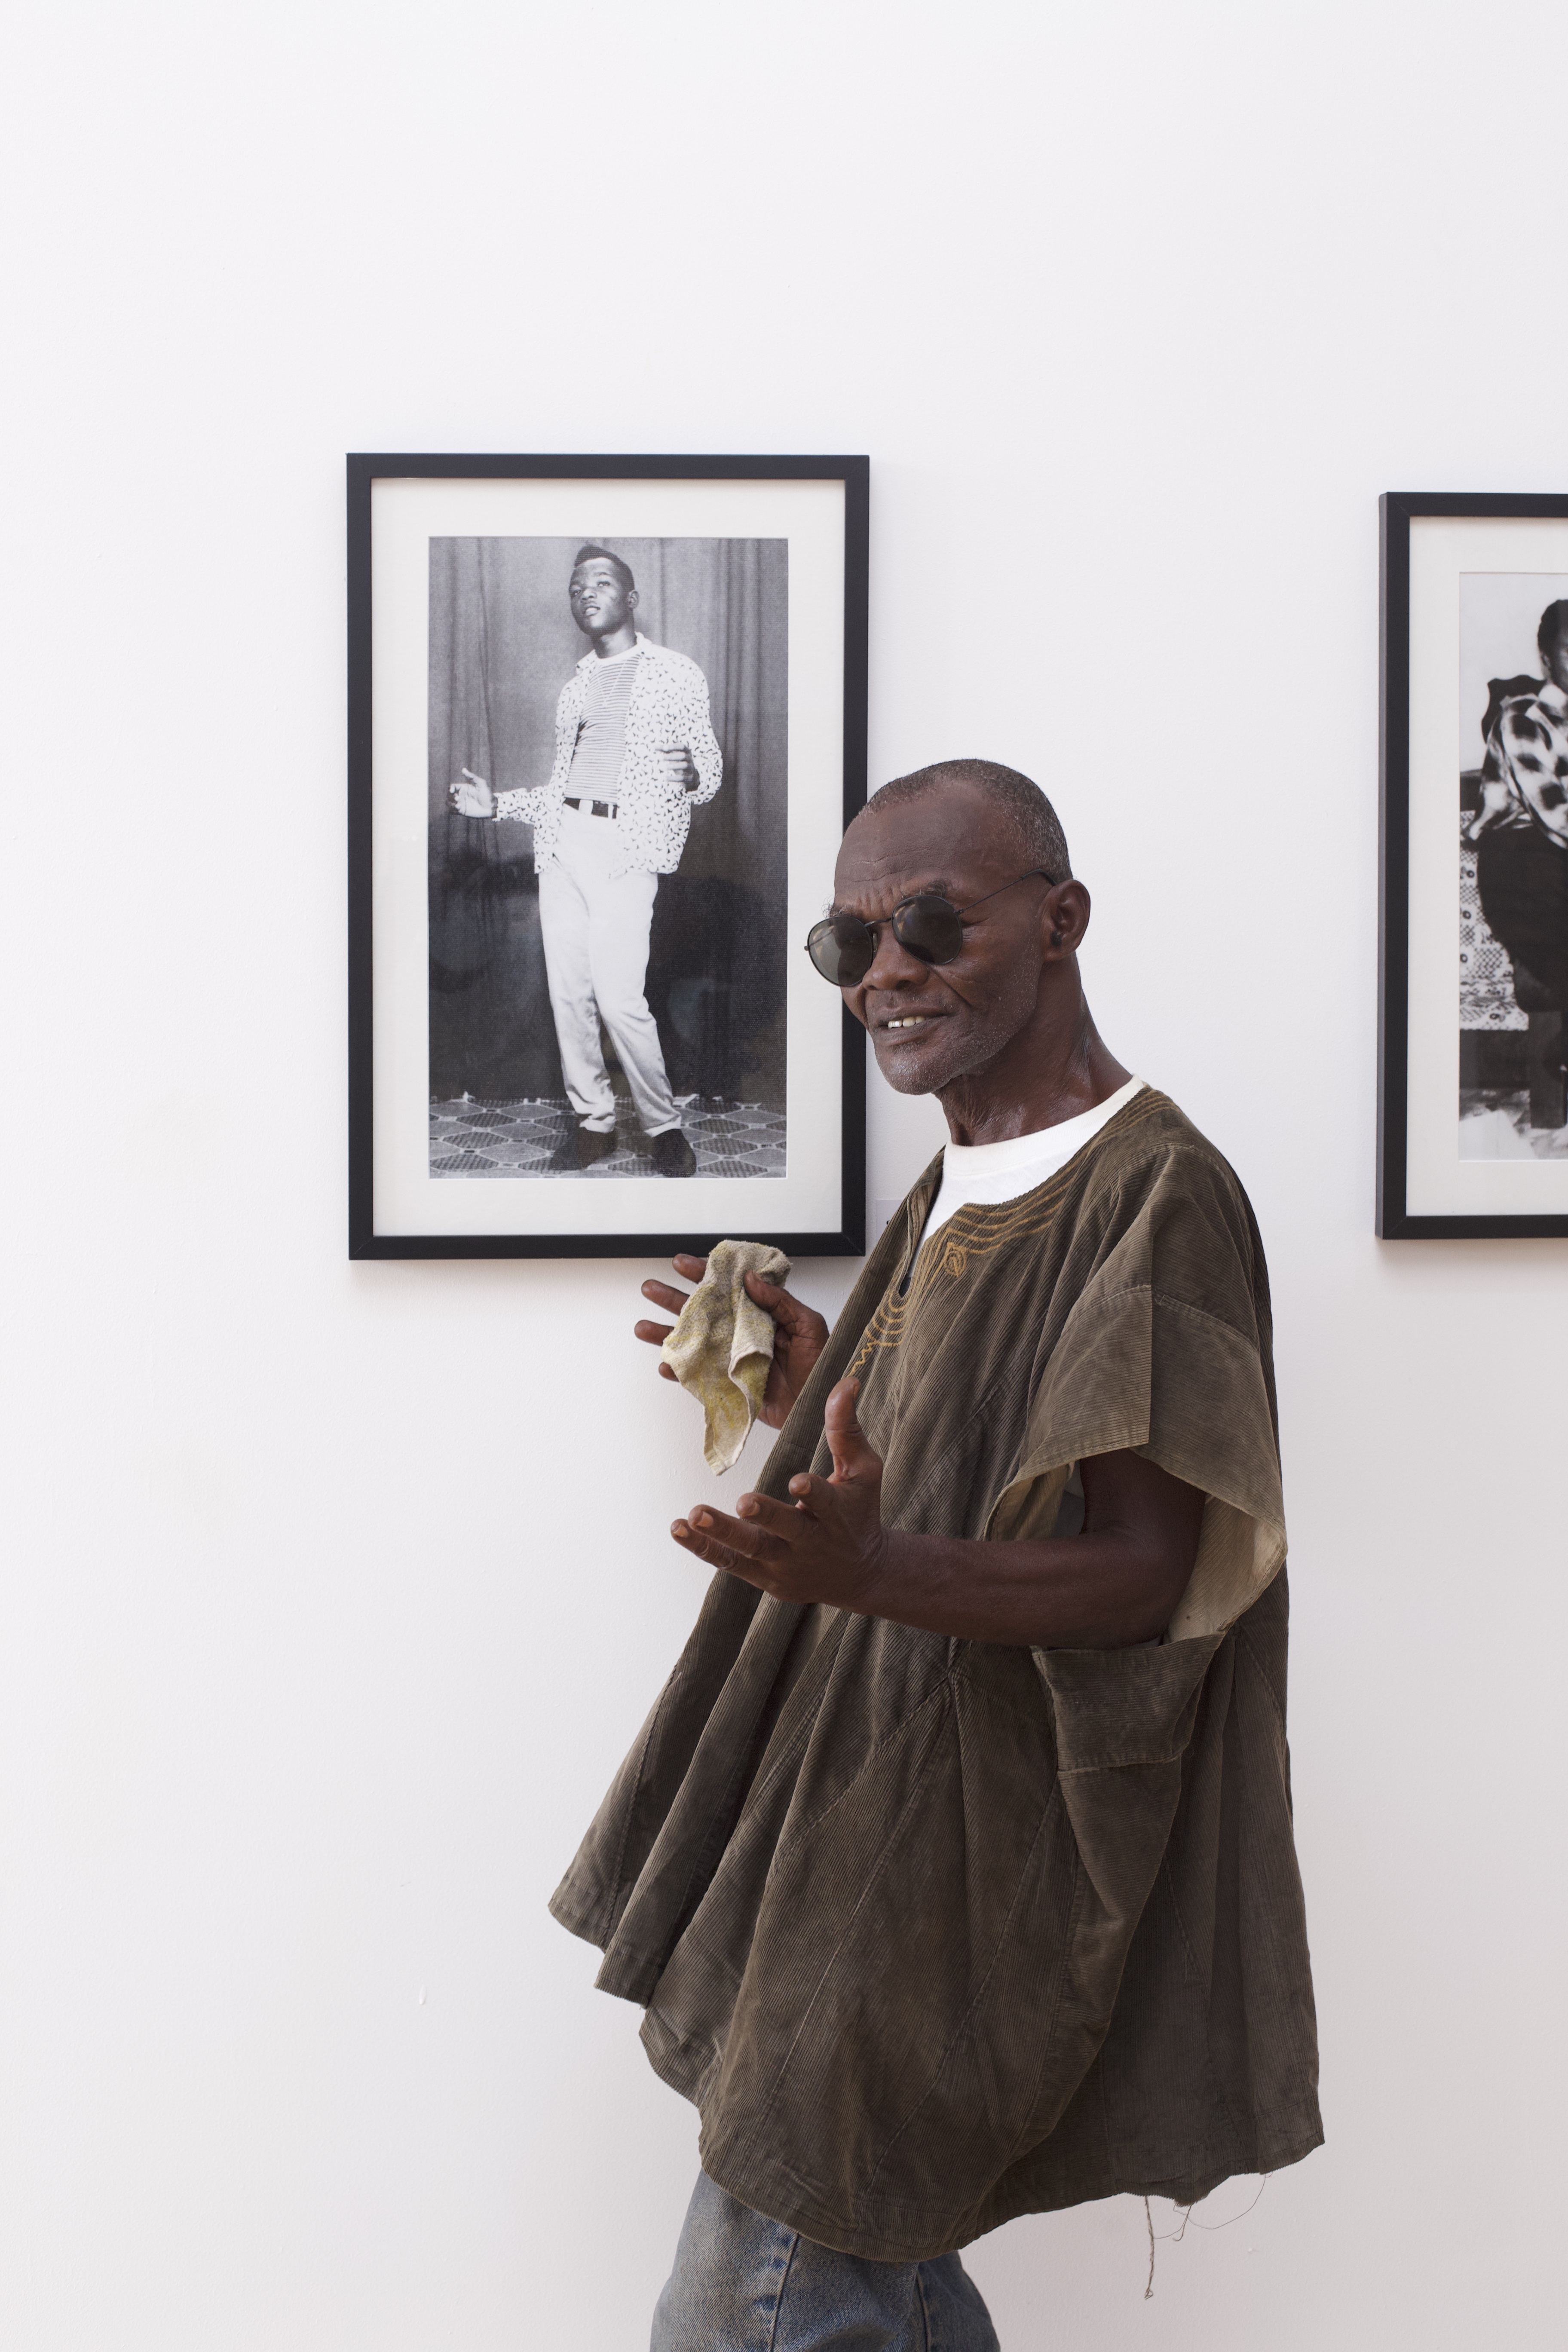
(956, 842)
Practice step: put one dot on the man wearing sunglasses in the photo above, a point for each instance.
(954, 1866)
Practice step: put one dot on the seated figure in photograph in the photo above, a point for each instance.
(635, 753)
(955, 1867)
(1520, 831)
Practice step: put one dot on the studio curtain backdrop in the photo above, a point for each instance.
(502, 645)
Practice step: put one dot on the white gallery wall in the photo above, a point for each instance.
(334, 1594)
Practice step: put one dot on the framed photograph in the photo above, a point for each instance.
(1473, 961)
(607, 726)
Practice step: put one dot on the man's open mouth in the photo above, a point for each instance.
(907, 1021)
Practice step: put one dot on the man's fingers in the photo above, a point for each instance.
(781, 1520)
(813, 1496)
(768, 1294)
(708, 1546)
(839, 1420)
(854, 1457)
(750, 1537)
(691, 1268)
(662, 1294)
(787, 1312)
(656, 1334)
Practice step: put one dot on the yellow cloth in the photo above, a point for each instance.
(722, 1344)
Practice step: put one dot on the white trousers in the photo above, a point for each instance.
(595, 928)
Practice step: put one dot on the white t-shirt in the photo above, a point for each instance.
(601, 746)
(986, 1174)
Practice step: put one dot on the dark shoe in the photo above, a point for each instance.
(672, 1155)
(577, 1149)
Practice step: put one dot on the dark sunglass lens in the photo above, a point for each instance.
(841, 948)
(930, 927)
(823, 948)
(855, 945)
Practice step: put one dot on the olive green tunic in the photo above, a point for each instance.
(936, 1932)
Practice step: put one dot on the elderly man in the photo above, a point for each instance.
(634, 752)
(954, 1868)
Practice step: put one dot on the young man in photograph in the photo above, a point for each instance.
(954, 1868)
(635, 753)
(1520, 832)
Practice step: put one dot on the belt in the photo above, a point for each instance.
(595, 808)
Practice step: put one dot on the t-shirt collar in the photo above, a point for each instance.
(978, 1160)
(590, 660)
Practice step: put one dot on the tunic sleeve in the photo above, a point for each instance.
(1166, 1352)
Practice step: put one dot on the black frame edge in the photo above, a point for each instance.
(581, 1247)
(360, 1087)
(363, 470)
(1394, 1221)
(1392, 862)
(857, 731)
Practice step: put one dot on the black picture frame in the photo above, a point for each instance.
(1395, 1220)
(846, 1236)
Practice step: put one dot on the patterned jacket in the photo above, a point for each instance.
(1524, 782)
(668, 710)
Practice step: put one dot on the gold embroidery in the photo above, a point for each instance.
(986, 1231)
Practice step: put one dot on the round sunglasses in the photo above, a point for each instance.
(843, 948)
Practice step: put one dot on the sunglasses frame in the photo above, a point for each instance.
(824, 928)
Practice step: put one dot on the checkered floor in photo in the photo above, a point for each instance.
(470, 1138)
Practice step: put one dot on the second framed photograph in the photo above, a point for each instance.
(607, 723)
(1473, 1116)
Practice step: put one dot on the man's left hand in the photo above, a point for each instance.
(827, 1543)
(677, 767)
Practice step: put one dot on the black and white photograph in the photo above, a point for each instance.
(608, 726)
(1513, 865)
(1473, 1091)
(609, 760)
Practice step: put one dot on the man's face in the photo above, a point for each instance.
(930, 1024)
(600, 603)
(1557, 658)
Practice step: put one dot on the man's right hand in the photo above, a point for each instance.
(800, 1334)
(471, 796)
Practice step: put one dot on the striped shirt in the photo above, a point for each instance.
(601, 743)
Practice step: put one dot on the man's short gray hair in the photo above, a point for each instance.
(1040, 835)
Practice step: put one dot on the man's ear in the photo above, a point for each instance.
(1067, 912)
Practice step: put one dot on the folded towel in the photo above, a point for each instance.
(722, 1344)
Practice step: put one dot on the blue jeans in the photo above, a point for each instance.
(742, 2284)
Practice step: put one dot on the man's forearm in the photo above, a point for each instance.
(1098, 1591)
(1120, 1581)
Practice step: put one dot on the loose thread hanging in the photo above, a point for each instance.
(1176, 2236)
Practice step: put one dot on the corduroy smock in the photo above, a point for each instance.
(936, 1932)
